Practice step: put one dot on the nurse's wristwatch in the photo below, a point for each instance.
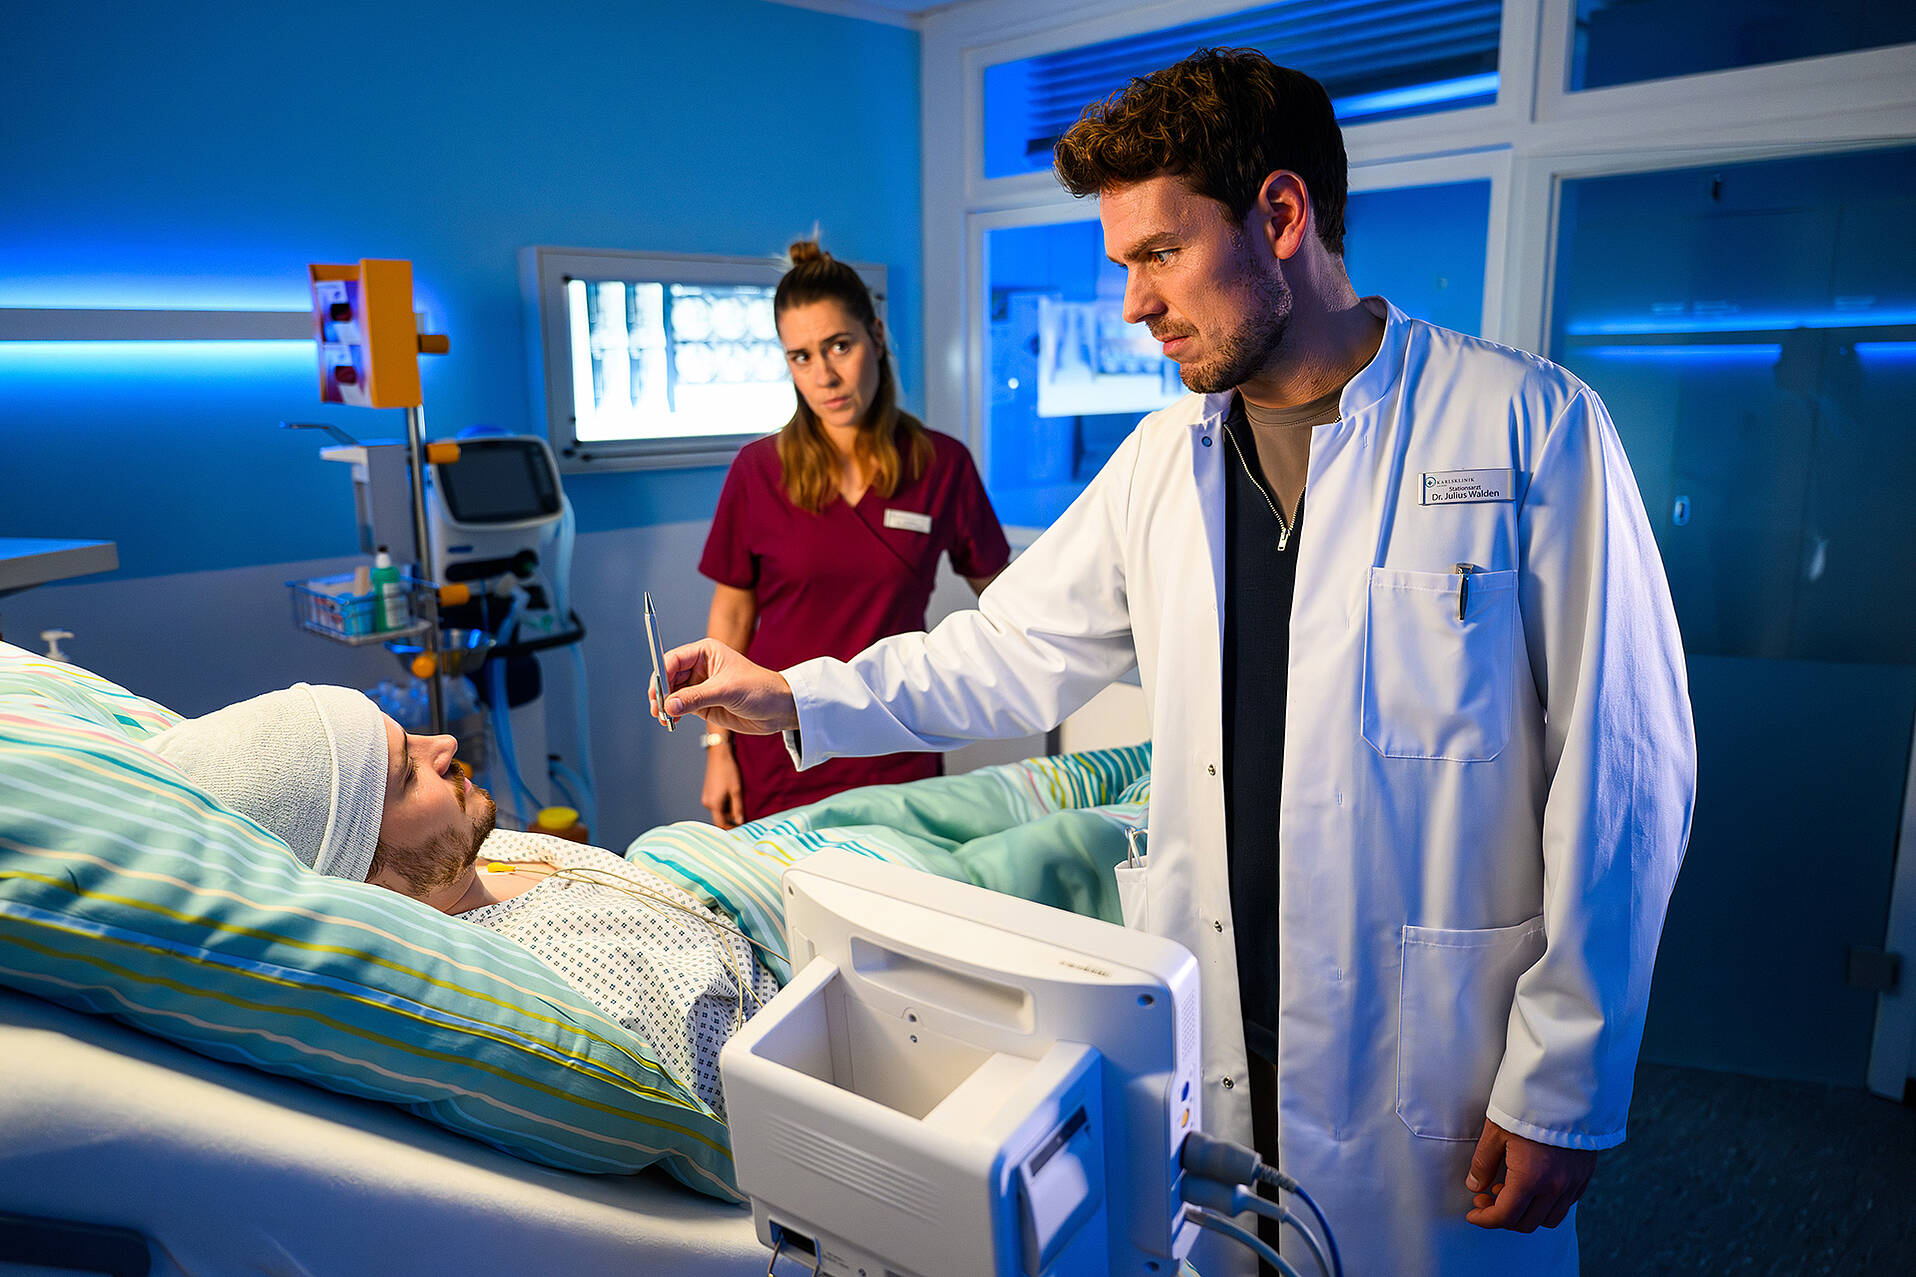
(712, 738)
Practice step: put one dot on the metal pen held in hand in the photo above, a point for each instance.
(658, 660)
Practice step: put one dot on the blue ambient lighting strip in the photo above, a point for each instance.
(1886, 350)
(73, 324)
(1753, 351)
(1753, 323)
(1362, 104)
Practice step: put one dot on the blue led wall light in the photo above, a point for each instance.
(61, 324)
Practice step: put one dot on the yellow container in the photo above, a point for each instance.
(560, 822)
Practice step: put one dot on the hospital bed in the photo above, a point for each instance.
(215, 1166)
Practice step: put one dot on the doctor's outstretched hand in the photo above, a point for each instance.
(1539, 1182)
(711, 680)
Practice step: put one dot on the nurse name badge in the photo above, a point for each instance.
(1462, 487)
(909, 520)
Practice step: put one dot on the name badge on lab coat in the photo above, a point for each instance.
(1460, 487)
(909, 520)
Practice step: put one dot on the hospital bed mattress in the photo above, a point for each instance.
(225, 1169)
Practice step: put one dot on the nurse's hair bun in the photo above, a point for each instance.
(806, 251)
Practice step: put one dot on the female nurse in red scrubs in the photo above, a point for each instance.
(828, 533)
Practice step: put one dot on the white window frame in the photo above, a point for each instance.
(1534, 138)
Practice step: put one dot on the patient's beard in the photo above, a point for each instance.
(443, 859)
(485, 818)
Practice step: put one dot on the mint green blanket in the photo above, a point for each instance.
(1045, 829)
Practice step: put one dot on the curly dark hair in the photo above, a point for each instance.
(1223, 120)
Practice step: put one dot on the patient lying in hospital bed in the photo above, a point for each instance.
(354, 795)
(126, 888)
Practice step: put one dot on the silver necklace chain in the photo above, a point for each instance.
(1283, 526)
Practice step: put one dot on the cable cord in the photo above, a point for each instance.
(560, 579)
(1235, 1199)
(517, 791)
(562, 561)
(1243, 1236)
(624, 884)
(1250, 1201)
(1214, 1167)
(582, 724)
(520, 793)
(1279, 1180)
(566, 782)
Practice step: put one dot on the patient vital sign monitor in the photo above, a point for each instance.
(500, 499)
(961, 1082)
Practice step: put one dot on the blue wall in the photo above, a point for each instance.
(200, 154)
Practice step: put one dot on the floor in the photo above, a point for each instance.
(1731, 1174)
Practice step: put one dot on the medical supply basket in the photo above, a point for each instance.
(327, 605)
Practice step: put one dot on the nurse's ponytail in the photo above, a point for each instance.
(894, 445)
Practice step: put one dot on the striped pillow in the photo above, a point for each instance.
(125, 891)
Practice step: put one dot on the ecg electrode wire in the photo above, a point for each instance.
(626, 885)
(592, 876)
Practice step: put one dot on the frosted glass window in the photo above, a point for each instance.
(1379, 59)
(1753, 329)
(1628, 41)
(1068, 379)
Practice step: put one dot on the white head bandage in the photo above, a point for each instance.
(308, 764)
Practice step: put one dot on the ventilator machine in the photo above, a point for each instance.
(957, 1082)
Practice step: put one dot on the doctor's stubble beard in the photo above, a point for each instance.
(1247, 351)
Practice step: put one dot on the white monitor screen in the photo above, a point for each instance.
(659, 360)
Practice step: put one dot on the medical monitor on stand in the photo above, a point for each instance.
(500, 500)
(958, 1082)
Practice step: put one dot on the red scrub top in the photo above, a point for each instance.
(834, 582)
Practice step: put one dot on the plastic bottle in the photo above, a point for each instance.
(560, 822)
(407, 703)
(391, 609)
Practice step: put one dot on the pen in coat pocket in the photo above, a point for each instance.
(1463, 588)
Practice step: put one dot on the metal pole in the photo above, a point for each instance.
(427, 600)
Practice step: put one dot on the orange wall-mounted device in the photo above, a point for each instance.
(369, 338)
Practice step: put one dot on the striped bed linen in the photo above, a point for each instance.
(125, 891)
(998, 827)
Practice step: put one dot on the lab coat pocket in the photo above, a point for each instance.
(1131, 893)
(1436, 686)
(1453, 1017)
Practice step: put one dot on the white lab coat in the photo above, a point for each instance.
(1481, 821)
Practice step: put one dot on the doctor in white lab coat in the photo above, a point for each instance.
(1488, 759)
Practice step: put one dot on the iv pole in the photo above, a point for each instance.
(369, 347)
(428, 599)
